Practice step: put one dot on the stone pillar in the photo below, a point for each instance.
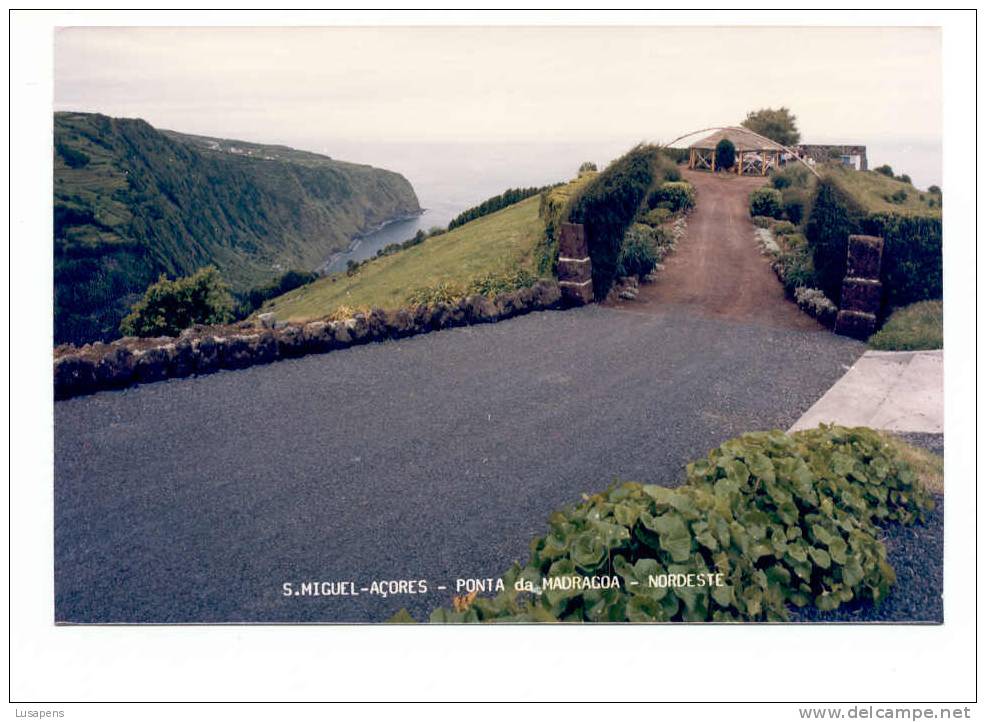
(574, 265)
(862, 291)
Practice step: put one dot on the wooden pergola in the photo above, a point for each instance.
(755, 155)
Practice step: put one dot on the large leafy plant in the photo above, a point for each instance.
(775, 519)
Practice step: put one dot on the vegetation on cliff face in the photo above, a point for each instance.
(132, 202)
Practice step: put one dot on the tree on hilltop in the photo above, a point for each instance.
(779, 125)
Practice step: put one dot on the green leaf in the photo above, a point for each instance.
(820, 557)
(762, 467)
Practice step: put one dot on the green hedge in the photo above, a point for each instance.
(607, 206)
(675, 197)
(496, 203)
(168, 307)
(911, 270)
(912, 257)
(767, 520)
(766, 202)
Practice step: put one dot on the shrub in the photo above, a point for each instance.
(780, 182)
(169, 307)
(897, 196)
(289, 281)
(834, 216)
(815, 303)
(73, 158)
(670, 173)
(796, 203)
(792, 175)
(447, 292)
(491, 205)
(587, 166)
(678, 156)
(763, 221)
(935, 190)
(766, 202)
(490, 284)
(783, 227)
(913, 328)
(884, 170)
(725, 154)
(794, 266)
(656, 217)
(639, 253)
(673, 196)
(911, 269)
(607, 205)
(904, 178)
(767, 520)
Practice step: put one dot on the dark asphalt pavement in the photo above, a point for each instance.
(435, 458)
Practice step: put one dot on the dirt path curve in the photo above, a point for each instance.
(717, 270)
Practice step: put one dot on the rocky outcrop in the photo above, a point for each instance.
(205, 349)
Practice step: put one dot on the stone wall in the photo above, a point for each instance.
(205, 349)
(821, 153)
(862, 291)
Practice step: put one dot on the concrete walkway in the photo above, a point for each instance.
(900, 391)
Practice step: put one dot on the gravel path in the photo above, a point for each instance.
(436, 457)
(717, 269)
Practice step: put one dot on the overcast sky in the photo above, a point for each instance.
(503, 84)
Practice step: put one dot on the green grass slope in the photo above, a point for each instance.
(500, 242)
(132, 202)
(873, 190)
(917, 327)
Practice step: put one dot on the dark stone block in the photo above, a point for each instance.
(378, 324)
(74, 375)
(863, 257)
(154, 364)
(207, 355)
(239, 352)
(291, 341)
(319, 336)
(861, 294)
(855, 324)
(363, 328)
(572, 243)
(479, 309)
(115, 368)
(573, 270)
(185, 358)
(576, 294)
(400, 323)
(265, 348)
(342, 336)
(546, 294)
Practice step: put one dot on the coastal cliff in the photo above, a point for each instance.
(132, 202)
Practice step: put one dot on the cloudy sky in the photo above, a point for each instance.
(501, 83)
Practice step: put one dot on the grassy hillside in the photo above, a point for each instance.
(501, 241)
(132, 202)
(873, 190)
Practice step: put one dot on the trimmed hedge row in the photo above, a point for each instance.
(912, 246)
(767, 520)
(607, 206)
(675, 196)
(203, 350)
